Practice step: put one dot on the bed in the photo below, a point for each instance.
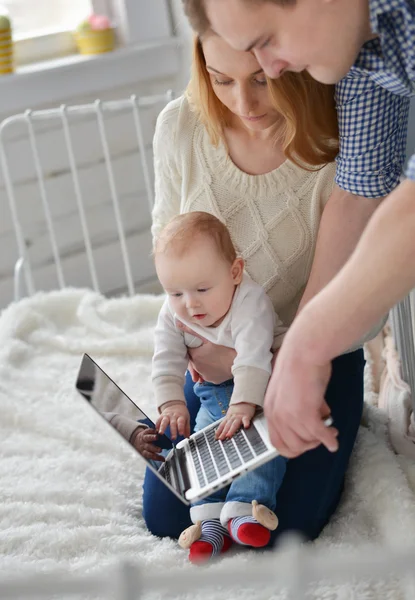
(70, 511)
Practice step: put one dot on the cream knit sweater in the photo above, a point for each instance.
(273, 219)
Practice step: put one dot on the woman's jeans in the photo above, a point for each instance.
(313, 482)
(261, 484)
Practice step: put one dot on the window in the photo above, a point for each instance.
(42, 29)
(35, 17)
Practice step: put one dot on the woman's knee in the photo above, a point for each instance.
(313, 482)
(163, 513)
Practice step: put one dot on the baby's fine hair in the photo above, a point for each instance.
(180, 232)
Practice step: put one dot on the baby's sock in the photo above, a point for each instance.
(248, 532)
(215, 540)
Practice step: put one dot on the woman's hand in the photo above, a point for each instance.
(209, 362)
(176, 415)
(238, 415)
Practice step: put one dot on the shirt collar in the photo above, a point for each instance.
(380, 7)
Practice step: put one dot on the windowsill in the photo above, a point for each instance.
(62, 79)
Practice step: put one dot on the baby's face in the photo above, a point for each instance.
(200, 283)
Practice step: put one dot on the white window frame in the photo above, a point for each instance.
(137, 21)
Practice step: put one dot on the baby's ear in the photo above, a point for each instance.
(237, 270)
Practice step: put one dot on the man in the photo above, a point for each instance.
(367, 47)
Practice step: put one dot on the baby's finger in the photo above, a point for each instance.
(220, 429)
(162, 424)
(226, 429)
(246, 422)
(173, 427)
(235, 425)
(181, 425)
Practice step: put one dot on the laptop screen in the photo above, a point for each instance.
(125, 417)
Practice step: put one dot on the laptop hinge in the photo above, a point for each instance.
(180, 469)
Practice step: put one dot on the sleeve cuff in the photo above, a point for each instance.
(370, 184)
(168, 388)
(250, 384)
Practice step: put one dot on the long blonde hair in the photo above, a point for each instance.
(309, 134)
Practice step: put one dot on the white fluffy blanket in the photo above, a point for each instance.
(70, 494)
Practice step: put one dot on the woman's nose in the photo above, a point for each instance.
(246, 103)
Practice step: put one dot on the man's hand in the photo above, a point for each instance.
(294, 405)
(238, 415)
(176, 415)
(143, 441)
(209, 362)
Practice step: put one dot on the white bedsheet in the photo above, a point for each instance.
(70, 495)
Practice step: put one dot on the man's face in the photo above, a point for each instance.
(321, 36)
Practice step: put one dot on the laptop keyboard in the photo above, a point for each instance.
(221, 457)
(164, 471)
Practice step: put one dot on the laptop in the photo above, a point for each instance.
(193, 468)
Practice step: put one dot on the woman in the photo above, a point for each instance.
(251, 151)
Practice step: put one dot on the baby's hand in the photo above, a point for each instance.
(143, 441)
(237, 415)
(176, 415)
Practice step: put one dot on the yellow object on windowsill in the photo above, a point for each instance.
(6, 46)
(95, 35)
(95, 42)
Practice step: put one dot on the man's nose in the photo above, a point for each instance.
(273, 66)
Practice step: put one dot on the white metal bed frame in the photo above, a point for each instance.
(60, 115)
(297, 565)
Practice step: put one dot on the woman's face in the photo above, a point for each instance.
(239, 83)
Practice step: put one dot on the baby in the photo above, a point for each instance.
(208, 291)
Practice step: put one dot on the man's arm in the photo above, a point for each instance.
(379, 273)
(344, 218)
(372, 127)
(372, 151)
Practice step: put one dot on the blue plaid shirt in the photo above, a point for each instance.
(373, 103)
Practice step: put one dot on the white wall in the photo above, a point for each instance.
(183, 30)
(94, 183)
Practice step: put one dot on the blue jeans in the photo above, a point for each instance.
(313, 482)
(261, 484)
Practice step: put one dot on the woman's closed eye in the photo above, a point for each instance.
(222, 82)
(176, 294)
(202, 290)
(265, 43)
(229, 82)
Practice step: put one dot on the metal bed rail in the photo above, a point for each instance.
(294, 568)
(135, 105)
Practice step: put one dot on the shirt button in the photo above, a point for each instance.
(224, 412)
